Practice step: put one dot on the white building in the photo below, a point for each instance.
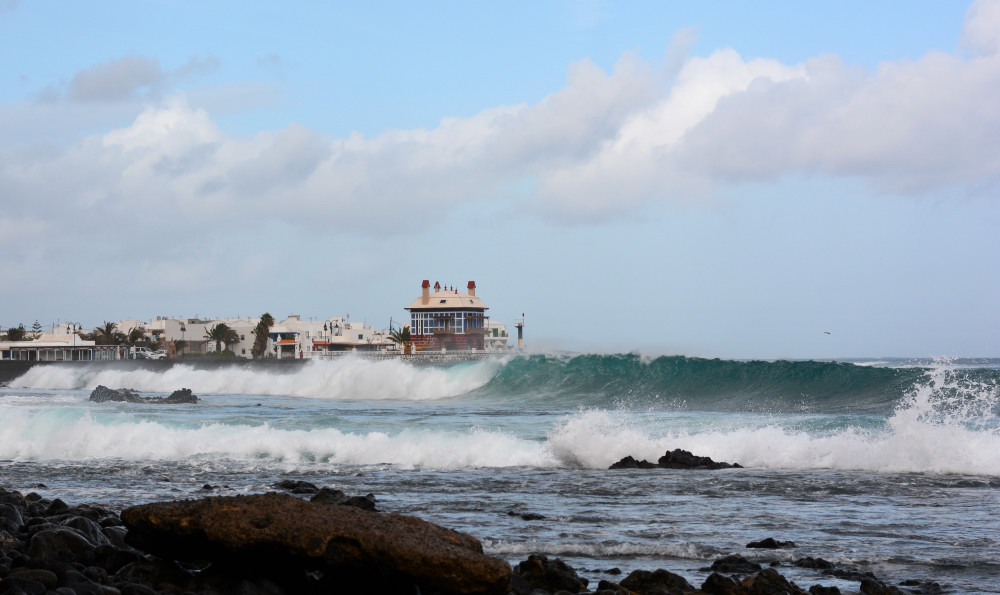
(55, 347)
(496, 336)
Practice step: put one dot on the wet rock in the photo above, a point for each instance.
(816, 563)
(873, 586)
(277, 533)
(717, 584)
(339, 498)
(682, 459)
(549, 575)
(58, 543)
(527, 516)
(20, 585)
(734, 564)
(769, 582)
(674, 459)
(297, 487)
(658, 582)
(178, 396)
(39, 575)
(103, 394)
(630, 463)
(821, 590)
(918, 587)
(770, 544)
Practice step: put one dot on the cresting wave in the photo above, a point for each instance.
(349, 378)
(574, 380)
(944, 419)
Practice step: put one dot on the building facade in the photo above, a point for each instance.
(448, 319)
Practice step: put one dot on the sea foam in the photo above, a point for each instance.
(346, 378)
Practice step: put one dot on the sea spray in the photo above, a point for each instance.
(348, 378)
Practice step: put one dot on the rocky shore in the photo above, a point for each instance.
(302, 539)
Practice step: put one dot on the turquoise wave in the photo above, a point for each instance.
(697, 383)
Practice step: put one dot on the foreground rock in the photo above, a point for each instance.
(275, 544)
(284, 537)
(674, 459)
(103, 394)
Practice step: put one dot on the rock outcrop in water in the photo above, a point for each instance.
(102, 394)
(674, 459)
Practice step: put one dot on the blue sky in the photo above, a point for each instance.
(723, 179)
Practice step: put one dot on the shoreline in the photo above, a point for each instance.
(203, 545)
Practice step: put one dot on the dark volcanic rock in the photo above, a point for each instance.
(103, 394)
(296, 486)
(717, 584)
(659, 582)
(280, 533)
(734, 564)
(333, 496)
(549, 575)
(674, 459)
(630, 463)
(770, 544)
(682, 459)
(810, 562)
(768, 582)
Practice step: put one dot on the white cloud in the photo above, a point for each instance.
(606, 145)
(982, 21)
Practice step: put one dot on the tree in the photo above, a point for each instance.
(135, 335)
(261, 333)
(16, 333)
(108, 334)
(221, 333)
(402, 336)
(36, 330)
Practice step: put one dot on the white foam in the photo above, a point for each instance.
(946, 426)
(67, 434)
(346, 378)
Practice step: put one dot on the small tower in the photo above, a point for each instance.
(520, 332)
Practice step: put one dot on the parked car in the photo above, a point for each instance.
(159, 354)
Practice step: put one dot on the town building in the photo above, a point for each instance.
(58, 347)
(448, 319)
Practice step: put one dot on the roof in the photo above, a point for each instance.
(448, 299)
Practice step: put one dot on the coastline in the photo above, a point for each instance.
(304, 539)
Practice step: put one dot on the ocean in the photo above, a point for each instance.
(891, 467)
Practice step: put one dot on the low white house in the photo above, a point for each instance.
(57, 347)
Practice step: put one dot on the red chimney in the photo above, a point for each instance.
(425, 294)
(472, 288)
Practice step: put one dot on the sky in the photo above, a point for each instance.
(714, 179)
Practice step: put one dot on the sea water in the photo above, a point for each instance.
(891, 467)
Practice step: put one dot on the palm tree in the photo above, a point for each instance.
(135, 335)
(221, 333)
(107, 334)
(402, 336)
(261, 333)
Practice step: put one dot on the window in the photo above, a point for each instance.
(360, 337)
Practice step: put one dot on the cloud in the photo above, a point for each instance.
(979, 32)
(116, 80)
(129, 78)
(606, 145)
